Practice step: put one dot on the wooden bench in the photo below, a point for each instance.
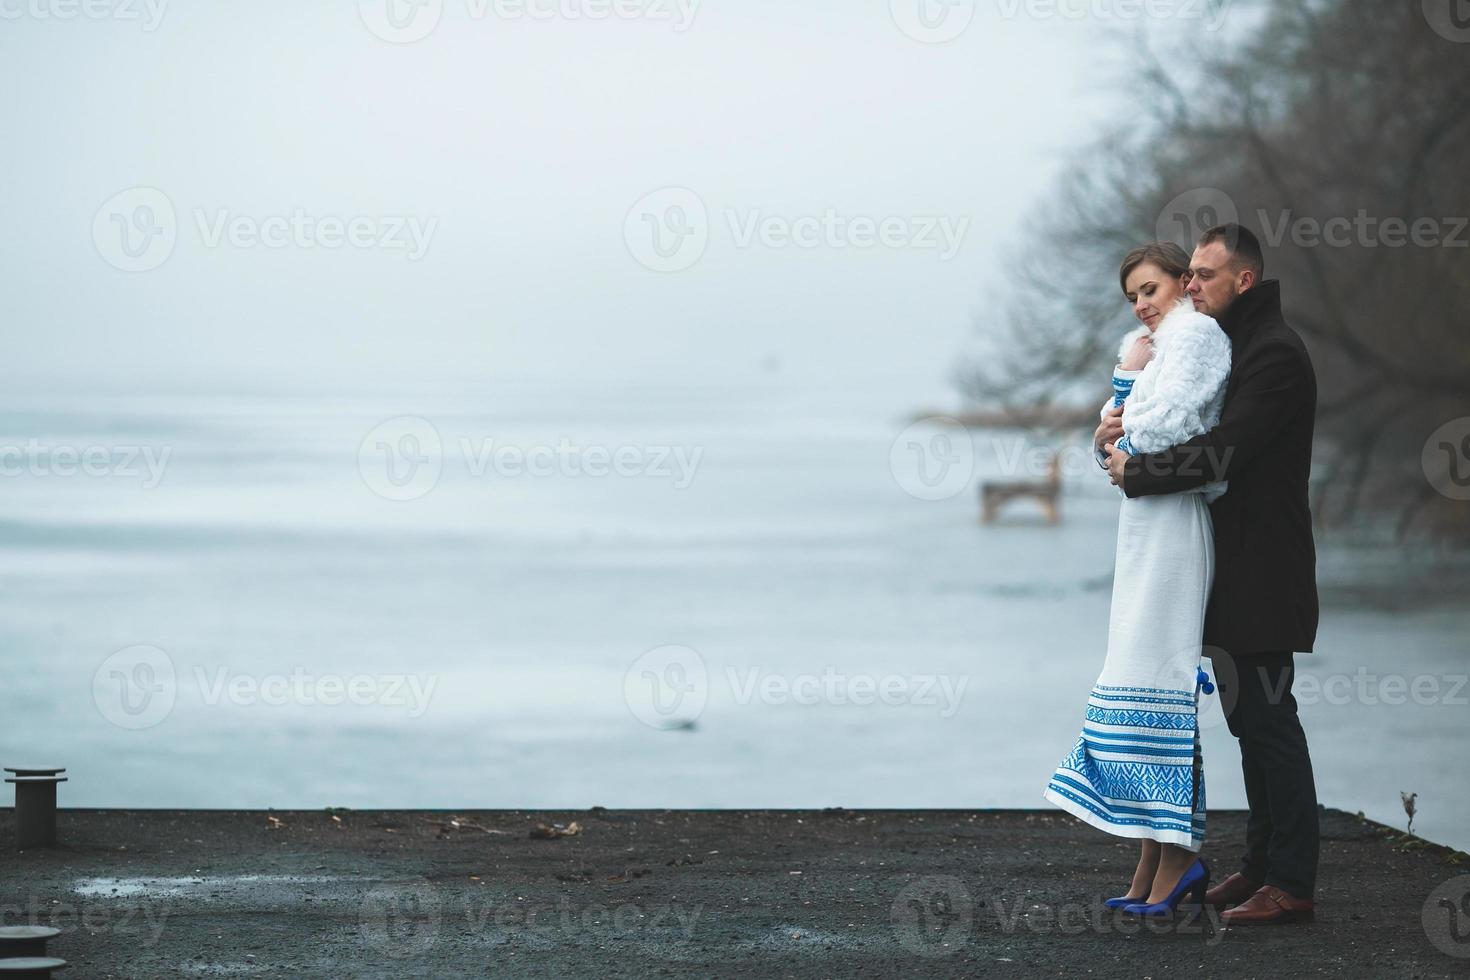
(995, 493)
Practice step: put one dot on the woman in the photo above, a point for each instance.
(1136, 769)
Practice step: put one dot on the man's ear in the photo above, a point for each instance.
(1246, 281)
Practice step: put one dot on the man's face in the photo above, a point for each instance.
(1214, 282)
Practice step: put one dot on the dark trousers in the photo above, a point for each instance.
(1281, 837)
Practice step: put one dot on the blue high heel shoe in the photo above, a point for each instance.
(1195, 882)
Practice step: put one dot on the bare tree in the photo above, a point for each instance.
(1339, 132)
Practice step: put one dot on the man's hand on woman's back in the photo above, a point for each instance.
(1111, 429)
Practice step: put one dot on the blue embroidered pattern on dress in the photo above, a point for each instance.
(1135, 769)
(1122, 388)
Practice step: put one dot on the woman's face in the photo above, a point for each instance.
(1153, 292)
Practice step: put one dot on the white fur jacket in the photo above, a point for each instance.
(1179, 394)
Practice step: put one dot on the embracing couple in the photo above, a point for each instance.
(1209, 437)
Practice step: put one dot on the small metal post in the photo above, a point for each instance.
(25, 940)
(35, 805)
(30, 966)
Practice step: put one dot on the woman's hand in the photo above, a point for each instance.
(1139, 355)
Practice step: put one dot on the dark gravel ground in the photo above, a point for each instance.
(155, 893)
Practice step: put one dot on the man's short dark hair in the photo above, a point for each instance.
(1242, 244)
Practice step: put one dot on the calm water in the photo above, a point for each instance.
(256, 623)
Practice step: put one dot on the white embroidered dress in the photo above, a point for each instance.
(1136, 770)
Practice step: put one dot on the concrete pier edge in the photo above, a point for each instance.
(600, 892)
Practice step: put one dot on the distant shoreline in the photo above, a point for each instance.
(1034, 417)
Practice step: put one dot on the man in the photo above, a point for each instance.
(1263, 604)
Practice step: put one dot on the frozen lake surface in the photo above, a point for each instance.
(305, 603)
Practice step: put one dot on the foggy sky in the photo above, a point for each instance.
(522, 144)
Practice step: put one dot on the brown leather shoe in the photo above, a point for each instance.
(1232, 891)
(1268, 906)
